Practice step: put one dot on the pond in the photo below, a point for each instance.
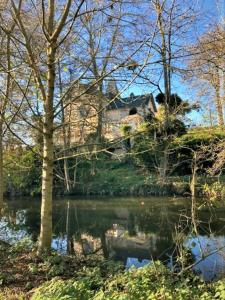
(131, 230)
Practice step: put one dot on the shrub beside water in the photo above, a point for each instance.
(153, 282)
(214, 191)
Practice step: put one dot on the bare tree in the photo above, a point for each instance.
(43, 30)
(207, 64)
(50, 22)
(174, 20)
(5, 90)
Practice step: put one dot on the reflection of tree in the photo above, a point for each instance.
(23, 215)
(70, 239)
(83, 226)
(104, 246)
(131, 225)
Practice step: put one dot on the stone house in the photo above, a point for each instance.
(130, 110)
(81, 116)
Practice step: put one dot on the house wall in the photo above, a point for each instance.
(114, 117)
(81, 119)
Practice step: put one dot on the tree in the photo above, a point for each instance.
(53, 31)
(207, 64)
(158, 134)
(172, 21)
(5, 91)
(43, 31)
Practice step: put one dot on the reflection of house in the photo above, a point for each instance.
(87, 245)
(121, 245)
(82, 114)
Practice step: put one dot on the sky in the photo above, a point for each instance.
(211, 11)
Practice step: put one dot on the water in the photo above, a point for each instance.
(131, 230)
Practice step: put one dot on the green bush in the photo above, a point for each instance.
(25, 244)
(22, 172)
(153, 282)
(214, 191)
(82, 289)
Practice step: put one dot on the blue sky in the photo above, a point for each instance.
(211, 11)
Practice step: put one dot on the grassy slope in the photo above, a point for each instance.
(125, 179)
(113, 177)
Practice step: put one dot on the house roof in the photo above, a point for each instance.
(118, 103)
(133, 101)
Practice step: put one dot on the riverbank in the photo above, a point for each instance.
(26, 276)
(109, 177)
(116, 178)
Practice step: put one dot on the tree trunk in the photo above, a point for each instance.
(219, 108)
(104, 245)
(1, 165)
(99, 127)
(193, 183)
(2, 115)
(194, 178)
(193, 187)
(75, 173)
(65, 139)
(46, 201)
(47, 167)
(163, 167)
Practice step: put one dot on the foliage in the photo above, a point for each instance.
(214, 191)
(180, 149)
(22, 245)
(125, 129)
(111, 178)
(174, 101)
(22, 168)
(175, 104)
(199, 135)
(152, 145)
(196, 139)
(153, 281)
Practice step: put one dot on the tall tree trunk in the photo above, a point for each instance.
(47, 184)
(2, 113)
(47, 178)
(1, 164)
(47, 167)
(65, 139)
(194, 178)
(193, 183)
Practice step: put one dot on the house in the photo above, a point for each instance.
(82, 115)
(130, 110)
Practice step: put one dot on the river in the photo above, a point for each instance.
(131, 230)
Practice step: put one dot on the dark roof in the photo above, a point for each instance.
(133, 101)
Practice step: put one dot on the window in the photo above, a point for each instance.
(133, 111)
(83, 111)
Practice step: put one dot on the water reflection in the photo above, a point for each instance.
(130, 230)
(209, 255)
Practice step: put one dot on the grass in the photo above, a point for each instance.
(111, 178)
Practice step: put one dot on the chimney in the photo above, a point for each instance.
(132, 96)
